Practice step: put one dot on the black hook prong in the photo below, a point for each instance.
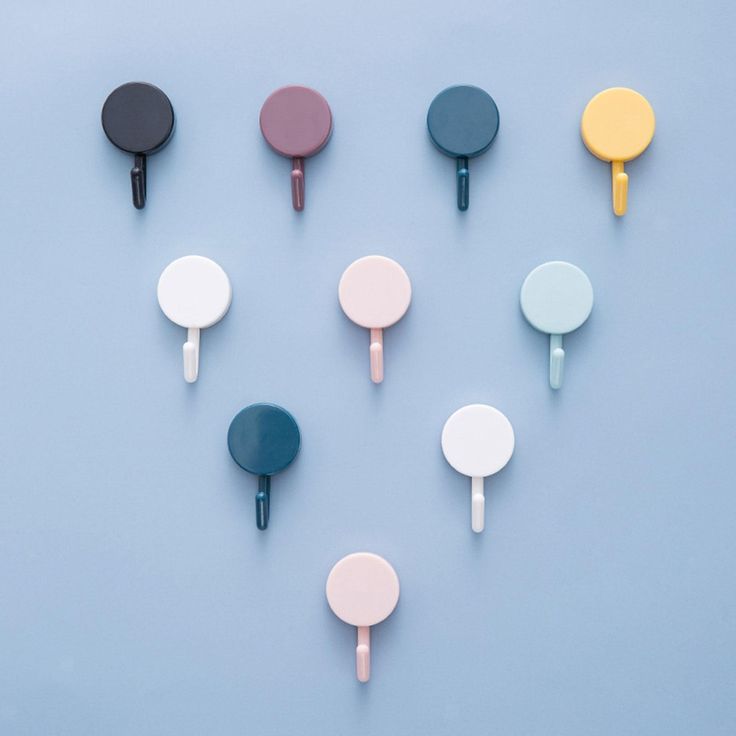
(138, 181)
(263, 501)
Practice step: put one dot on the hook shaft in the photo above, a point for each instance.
(363, 654)
(263, 501)
(190, 352)
(477, 505)
(138, 181)
(463, 183)
(297, 183)
(376, 355)
(556, 361)
(620, 187)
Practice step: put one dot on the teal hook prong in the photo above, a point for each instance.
(556, 361)
(463, 183)
(263, 501)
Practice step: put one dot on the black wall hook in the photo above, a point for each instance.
(138, 118)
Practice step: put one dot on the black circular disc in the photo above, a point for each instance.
(463, 121)
(263, 439)
(138, 118)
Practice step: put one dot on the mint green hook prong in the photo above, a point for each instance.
(556, 298)
(556, 361)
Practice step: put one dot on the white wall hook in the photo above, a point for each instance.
(477, 440)
(194, 292)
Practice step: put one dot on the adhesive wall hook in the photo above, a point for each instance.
(556, 298)
(263, 439)
(617, 126)
(362, 590)
(463, 123)
(477, 440)
(194, 292)
(375, 292)
(297, 123)
(138, 118)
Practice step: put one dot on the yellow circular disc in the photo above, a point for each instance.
(617, 124)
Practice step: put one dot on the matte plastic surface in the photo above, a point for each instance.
(463, 122)
(617, 126)
(362, 590)
(263, 439)
(138, 118)
(194, 292)
(375, 292)
(297, 123)
(556, 298)
(478, 441)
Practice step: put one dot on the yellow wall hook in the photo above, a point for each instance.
(618, 125)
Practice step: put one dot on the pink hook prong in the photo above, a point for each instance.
(376, 355)
(363, 654)
(297, 183)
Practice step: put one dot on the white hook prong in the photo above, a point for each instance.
(477, 505)
(190, 352)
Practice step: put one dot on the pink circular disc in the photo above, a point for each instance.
(296, 121)
(374, 292)
(362, 589)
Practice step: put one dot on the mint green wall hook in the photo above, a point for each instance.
(556, 298)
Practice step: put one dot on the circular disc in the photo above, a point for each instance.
(194, 291)
(138, 118)
(463, 121)
(296, 121)
(362, 589)
(556, 297)
(374, 291)
(478, 440)
(617, 124)
(263, 439)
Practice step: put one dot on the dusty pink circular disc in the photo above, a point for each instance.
(296, 121)
(362, 589)
(374, 292)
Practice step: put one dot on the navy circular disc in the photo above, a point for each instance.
(138, 118)
(463, 121)
(263, 439)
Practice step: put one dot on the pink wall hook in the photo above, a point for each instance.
(375, 292)
(362, 589)
(297, 123)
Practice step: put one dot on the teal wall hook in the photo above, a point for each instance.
(556, 298)
(263, 439)
(463, 122)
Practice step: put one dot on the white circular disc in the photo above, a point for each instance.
(194, 291)
(478, 440)
(556, 297)
(374, 291)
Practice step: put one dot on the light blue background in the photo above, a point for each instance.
(139, 599)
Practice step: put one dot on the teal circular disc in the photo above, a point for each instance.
(463, 121)
(263, 439)
(556, 297)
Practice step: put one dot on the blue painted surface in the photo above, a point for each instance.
(137, 595)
